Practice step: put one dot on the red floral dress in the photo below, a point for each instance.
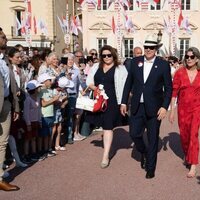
(188, 95)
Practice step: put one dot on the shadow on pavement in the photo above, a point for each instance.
(14, 172)
(121, 140)
(198, 179)
(136, 155)
(173, 141)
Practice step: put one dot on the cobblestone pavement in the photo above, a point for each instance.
(76, 174)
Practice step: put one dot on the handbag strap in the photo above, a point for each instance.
(104, 105)
(84, 91)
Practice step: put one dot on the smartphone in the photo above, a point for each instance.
(82, 61)
(90, 58)
(64, 60)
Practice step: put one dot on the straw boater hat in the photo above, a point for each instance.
(151, 40)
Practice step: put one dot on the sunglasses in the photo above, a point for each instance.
(149, 47)
(106, 55)
(191, 57)
(93, 54)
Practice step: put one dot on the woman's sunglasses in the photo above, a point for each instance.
(106, 55)
(93, 54)
(191, 57)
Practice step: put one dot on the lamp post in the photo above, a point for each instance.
(159, 38)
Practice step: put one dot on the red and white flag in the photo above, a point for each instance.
(180, 18)
(110, 2)
(35, 25)
(129, 25)
(73, 26)
(23, 30)
(43, 27)
(78, 24)
(153, 2)
(65, 23)
(18, 24)
(186, 25)
(99, 4)
(113, 25)
(28, 14)
(125, 3)
(61, 24)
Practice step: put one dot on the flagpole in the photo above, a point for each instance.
(119, 31)
(173, 34)
(67, 34)
(27, 29)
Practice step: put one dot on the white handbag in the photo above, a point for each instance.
(85, 102)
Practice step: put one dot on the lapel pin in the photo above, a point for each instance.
(156, 66)
(140, 64)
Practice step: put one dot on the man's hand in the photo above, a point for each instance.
(15, 116)
(123, 109)
(161, 113)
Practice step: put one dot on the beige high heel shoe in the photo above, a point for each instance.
(104, 164)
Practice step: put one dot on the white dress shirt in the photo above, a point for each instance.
(146, 71)
(5, 72)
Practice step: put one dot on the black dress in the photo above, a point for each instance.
(111, 117)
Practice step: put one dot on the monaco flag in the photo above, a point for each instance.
(180, 18)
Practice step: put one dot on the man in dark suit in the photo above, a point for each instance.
(10, 100)
(150, 82)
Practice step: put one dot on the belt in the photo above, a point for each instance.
(71, 94)
(6, 98)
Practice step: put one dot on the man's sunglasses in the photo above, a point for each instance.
(191, 57)
(149, 47)
(106, 55)
(93, 54)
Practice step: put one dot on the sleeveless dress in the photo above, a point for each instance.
(111, 118)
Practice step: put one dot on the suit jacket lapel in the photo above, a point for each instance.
(140, 66)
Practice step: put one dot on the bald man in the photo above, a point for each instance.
(137, 51)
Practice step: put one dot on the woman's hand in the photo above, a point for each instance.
(171, 116)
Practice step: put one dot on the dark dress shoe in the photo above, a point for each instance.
(150, 174)
(143, 161)
(7, 186)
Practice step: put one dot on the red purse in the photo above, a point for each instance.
(100, 101)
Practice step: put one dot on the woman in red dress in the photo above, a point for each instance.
(186, 87)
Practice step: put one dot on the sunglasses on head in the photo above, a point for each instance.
(93, 54)
(191, 57)
(149, 47)
(106, 55)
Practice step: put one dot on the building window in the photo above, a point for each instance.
(18, 14)
(184, 45)
(157, 6)
(104, 5)
(131, 5)
(185, 4)
(101, 42)
(128, 48)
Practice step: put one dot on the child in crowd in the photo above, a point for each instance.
(32, 117)
(59, 105)
(47, 103)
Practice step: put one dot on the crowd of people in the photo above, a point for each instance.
(39, 92)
